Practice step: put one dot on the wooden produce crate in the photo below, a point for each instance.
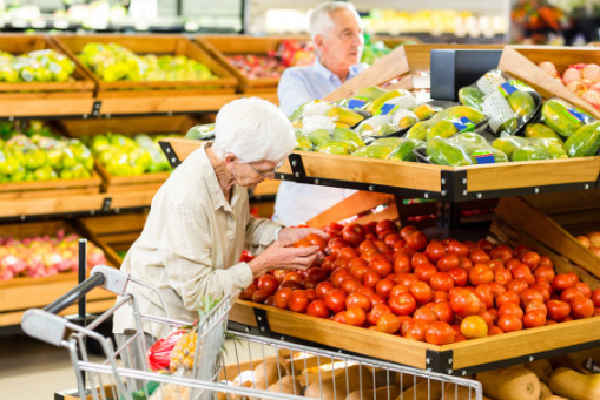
(554, 220)
(149, 125)
(152, 44)
(81, 87)
(397, 70)
(521, 62)
(221, 46)
(55, 188)
(113, 233)
(19, 294)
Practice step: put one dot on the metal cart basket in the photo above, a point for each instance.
(245, 368)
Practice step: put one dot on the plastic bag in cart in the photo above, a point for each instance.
(159, 354)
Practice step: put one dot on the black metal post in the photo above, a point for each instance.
(82, 270)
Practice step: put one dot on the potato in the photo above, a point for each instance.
(545, 391)
(542, 368)
(287, 385)
(313, 391)
(269, 371)
(427, 389)
(381, 393)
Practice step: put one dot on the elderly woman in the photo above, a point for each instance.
(200, 221)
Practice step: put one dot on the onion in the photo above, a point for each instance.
(595, 250)
(585, 242)
(594, 238)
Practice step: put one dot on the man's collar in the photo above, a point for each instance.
(326, 72)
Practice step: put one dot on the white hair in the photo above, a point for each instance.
(320, 17)
(253, 130)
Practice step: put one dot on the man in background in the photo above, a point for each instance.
(336, 31)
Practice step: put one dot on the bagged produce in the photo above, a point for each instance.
(508, 104)
(405, 150)
(387, 101)
(377, 126)
(362, 98)
(585, 142)
(530, 149)
(540, 130)
(444, 152)
(380, 148)
(563, 118)
(201, 132)
(159, 354)
(447, 123)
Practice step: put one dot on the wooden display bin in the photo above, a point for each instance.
(152, 44)
(19, 294)
(82, 85)
(554, 220)
(152, 126)
(55, 188)
(522, 62)
(222, 46)
(114, 233)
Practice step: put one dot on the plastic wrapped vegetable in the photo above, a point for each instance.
(362, 98)
(334, 147)
(405, 150)
(346, 135)
(563, 118)
(302, 141)
(385, 103)
(585, 141)
(404, 119)
(419, 130)
(530, 149)
(377, 126)
(380, 148)
(478, 149)
(444, 152)
(471, 96)
(540, 130)
(447, 123)
(201, 132)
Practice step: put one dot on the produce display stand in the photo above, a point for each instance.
(81, 86)
(154, 44)
(56, 188)
(20, 294)
(221, 46)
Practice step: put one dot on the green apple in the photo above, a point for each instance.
(54, 157)
(44, 174)
(68, 159)
(35, 159)
(8, 164)
(67, 174)
(19, 175)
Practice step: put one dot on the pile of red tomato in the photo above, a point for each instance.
(437, 291)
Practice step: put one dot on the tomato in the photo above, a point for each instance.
(501, 252)
(385, 225)
(260, 295)
(318, 308)
(419, 259)
(402, 263)
(381, 246)
(404, 232)
(446, 263)
(388, 323)
(440, 297)
(367, 291)
(328, 262)
(316, 240)
(425, 272)
(365, 246)
(596, 297)
(426, 313)
(510, 323)
(298, 301)
(558, 310)
(353, 234)
(458, 249)
(502, 276)
(466, 263)
(510, 264)
(496, 265)
(357, 267)
(309, 284)
(421, 292)
(489, 317)
(317, 274)
(376, 299)
(441, 281)
(335, 300)
(522, 271)
(563, 281)
(323, 288)
(338, 276)
(371, 278)
(336, 248)
(246, 294)
(517, 285)
(397, 289)
(416, 330)
(350, 285)
(485, 294)
(291, 285)
(474, 327)
(347, 253)
(508, 297)
(312, 294)
(596, 312)
(529, 295)
(480, 274)
(520, 250)
(406, 279)
(512, 309)
(570, 293)
(281, 298)
(384, 287)
(269, 283)
(536, 305)
(435, 251)
(377, 311)
(582, 307)
(534, 318)
(355, 316)
(495, 330)
(497, 288)
(381, 265)
(443, 312)
(479, 256)
(532, 259)
(584, 288)
(341, 263)
(302, 243)
(340, 317)
(360, 300)
(544, 271)
(403, 304)
(416, 241)
(439, 333)
(485, 245)
(465, 303)
(393, 238)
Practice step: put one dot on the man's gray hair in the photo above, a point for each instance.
(253, 130)
(320, 17)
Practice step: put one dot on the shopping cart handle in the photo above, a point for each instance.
(97, 279)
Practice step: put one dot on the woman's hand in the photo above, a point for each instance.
(295, 234)
(279, 256)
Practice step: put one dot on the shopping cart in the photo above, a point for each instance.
(245, 368)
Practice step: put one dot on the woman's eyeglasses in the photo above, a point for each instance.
(266, 174)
